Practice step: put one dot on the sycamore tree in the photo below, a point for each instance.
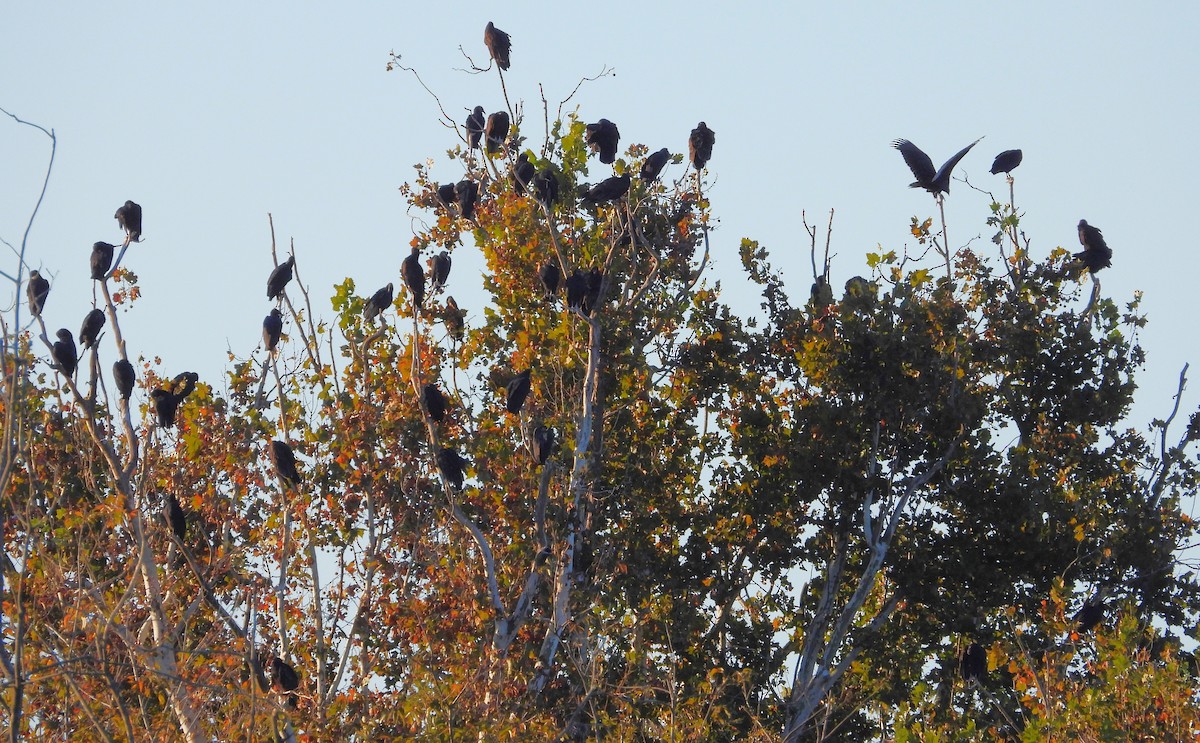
(608, 507)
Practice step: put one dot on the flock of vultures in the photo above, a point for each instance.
(582, 291)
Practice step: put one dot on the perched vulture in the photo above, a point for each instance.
(654, 165)
(1006, 161)
(453, 319)
(544, 444)
(602, 137)
(550, 276)
(379, 302)
(498, 44)
(165, 406)
(129, 217)
(475, 124)
(516, 392)
(280, 277)
(447, 197)
(935, 182)
(37, 291)
(496, 131)
(440, 271)
(973, 663)
(176, 517)
(272, 329)
(466, 193)
(102, 256)
(609, 189)
(545, 186)
(700, 144)
(64, 353)
(1090, 614)
(523, 173)
(284, 679)
(435, 402)
(1095, 254)
(577, 287)
(451, 466)
(89, 333)
(184, 383)
(123, 373)
(414, 277)
(285, 463)
(595, 279)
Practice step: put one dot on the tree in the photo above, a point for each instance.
(787, 524)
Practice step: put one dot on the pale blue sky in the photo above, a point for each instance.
(212, 115)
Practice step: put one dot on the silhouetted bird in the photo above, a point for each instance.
(453, 318)
(545, 186)
(280, 277)
(272, 330)
(1090, 614)
(379, 302)
(496, 131)
(550, 276)
(466, 193)
(284, 461)
(284, 679)
(603, 137)
(498, 44)
(609, 189)
(123, 373)
(973, 663)
(591, 300)
(435, 402)
(165, 407)
(447, 197)
(176, 517)
(820, 294)
(64, 353)
(440, 271)
(700, 144)
(129, 217)
(516, 392)
(37, 291)
(414, 277)
(1095, 254)
(89, 333)
(184, 383)
(1006, 161)
(577, 286)
(935, 182)
(451, 466)
(475, 123)
(102, 256)
(523, 173)
(654, 165)
(544, 444)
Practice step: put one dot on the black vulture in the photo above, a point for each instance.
(435, 402)
(1095, 254)
(475, 124)
(1006, 161)
(654, 165)
(272, 329)
(123, 373)
(379, 302)
(453, 318)
(64, 353)
(102, 256)
(37, 291)
(165, 405)
(820, 294)
(577, 287)
(544, 444)
(545, 186)
(935, 182)
(89, 333)
(523, 172)
(284, 679)
(595, 279)
(496, 131)
(129, 217)
(280, 277)
(498, 44)
(609, 189)
(176, 517)
(516, 392)
(284, 461)
(550, 276)
(466, 193)
(440, 271)
(602, 137)
(447, 197)
(973, 663)
(414, 277)
(183, 384)
(451, 466)
(700, 144)
(1090, 614)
